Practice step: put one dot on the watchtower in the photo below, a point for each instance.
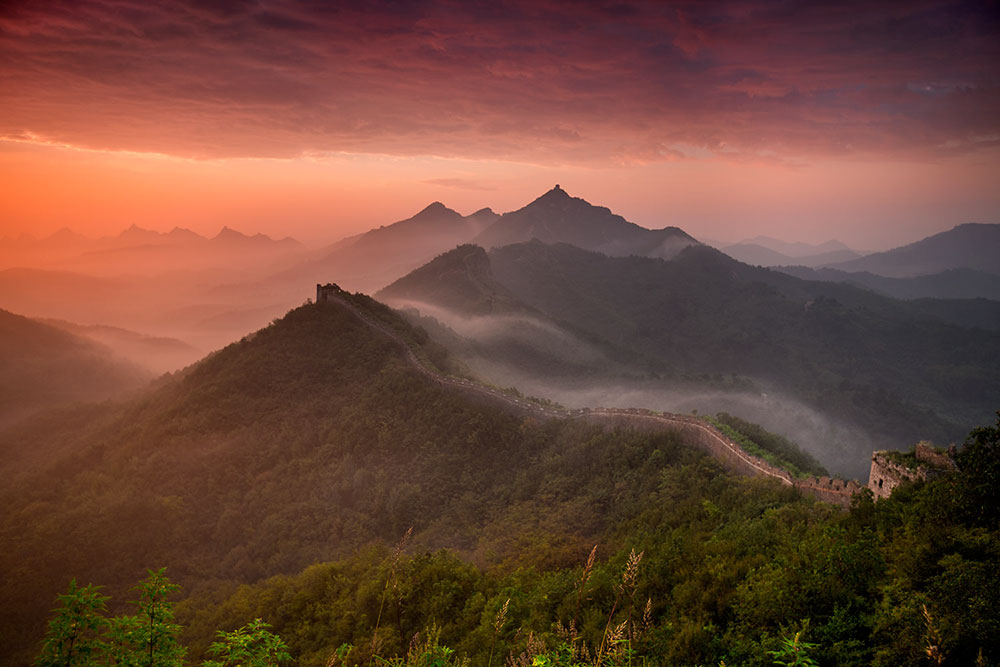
(891, 468)
(325, 292)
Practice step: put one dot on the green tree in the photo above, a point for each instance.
(253, 645)
(74, 634)
(979, 462)
(794, 652)
(149, 638)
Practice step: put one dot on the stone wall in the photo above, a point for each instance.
(829, 489)
(886, 475)
(927, 454)
(695, 432)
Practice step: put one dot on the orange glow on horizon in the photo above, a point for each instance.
(321, 199)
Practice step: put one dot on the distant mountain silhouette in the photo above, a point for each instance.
(555, 217)
(42, 366)
(61, 238)
(158, 354)
(136, 235)
(950, 284)
(969, 246)
(427, 231)
(139, 251)
(796, 248)
(185, 305)
(233, 237)
(759, 255)
(367, 262)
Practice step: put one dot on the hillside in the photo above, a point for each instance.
(42, 366)
(370, 261)
(460, 280)
(713, 570)
(301, 443)
(973, 246)
(317, 439)
(950, 284)
(859, 358)
(456, 298)
(155, 353)
(555, 217)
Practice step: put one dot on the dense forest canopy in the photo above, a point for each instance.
(314, 441)
(709, 569)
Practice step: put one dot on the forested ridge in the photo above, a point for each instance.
(314, 441)
(301, 443)
(858, 356)
(710, 570)
(891, 370)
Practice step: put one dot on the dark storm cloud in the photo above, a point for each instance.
(548, 82)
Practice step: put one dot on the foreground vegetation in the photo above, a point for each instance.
(714, 570)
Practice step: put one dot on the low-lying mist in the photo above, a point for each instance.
(541, 359)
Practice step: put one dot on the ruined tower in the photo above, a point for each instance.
(891, 468)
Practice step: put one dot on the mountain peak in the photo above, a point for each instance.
(433, 212)
(556, 193)
(557, 198)
(183, 232)
(460, 280)
(434, 207)
(135, 231)
(228, 233)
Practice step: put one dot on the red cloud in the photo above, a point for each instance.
(546, 82)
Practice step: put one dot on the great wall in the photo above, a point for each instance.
(694, 430)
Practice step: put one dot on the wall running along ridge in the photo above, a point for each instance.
(695, 431)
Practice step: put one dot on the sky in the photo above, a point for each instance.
(873, 123)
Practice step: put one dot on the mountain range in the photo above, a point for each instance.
(958, 283)
(556, 217)
(319, 438)
(143, 252)
(370, 260)
(845, 351)
(967, 246)
(760, 255)
(305, 442)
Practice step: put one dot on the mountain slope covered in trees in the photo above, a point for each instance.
(42, 366)
(315, 440)
(889, 366)
(304, 442)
